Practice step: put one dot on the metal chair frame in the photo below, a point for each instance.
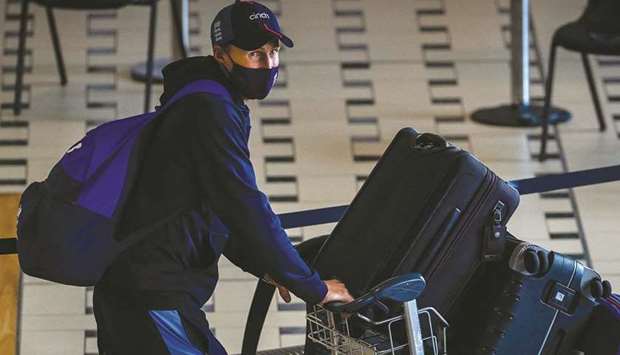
(590, 78)
(23, 23)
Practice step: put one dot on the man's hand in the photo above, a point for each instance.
(283, 291)
(336, 291)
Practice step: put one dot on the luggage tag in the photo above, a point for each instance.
(495, 234)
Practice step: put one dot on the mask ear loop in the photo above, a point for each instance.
(226, 71)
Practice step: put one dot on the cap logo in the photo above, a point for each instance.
(217, 31)
(259, 15)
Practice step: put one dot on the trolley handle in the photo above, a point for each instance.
(401, 289)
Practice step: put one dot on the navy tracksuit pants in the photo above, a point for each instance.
(133, 322)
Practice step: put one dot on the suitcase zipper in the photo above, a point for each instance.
(466, 224)
(494, 234)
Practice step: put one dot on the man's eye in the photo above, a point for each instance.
(254, 55)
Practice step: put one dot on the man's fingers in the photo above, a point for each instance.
(336, 291)
(284, 293)
(344, 296)
(348, 297)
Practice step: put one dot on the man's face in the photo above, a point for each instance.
(265, 57)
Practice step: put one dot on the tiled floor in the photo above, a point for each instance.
(361, 69)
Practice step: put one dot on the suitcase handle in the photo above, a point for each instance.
(401, 289)
(430, 141)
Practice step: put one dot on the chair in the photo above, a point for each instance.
(84, 5)
(596, 32)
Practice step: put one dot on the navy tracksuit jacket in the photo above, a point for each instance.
(197, 162)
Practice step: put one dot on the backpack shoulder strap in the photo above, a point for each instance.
(195, 87)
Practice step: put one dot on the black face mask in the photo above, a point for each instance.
(253, 83)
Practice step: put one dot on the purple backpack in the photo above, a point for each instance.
(66, 224)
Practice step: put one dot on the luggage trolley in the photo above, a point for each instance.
(330, 326)
(344, 329)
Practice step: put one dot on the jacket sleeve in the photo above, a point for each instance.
(228, 182)
(235, 251)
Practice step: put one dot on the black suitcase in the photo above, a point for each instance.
(427, 207)
(543, 306)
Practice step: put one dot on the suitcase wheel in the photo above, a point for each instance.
(536, 262)
(596, 288)
(531, 262)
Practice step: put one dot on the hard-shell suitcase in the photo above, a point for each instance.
(602, 334)
(543, 307)
(426, 207)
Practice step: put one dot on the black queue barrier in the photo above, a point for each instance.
(524, 186)
(8, 246)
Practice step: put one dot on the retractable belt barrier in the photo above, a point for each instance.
(524, 186)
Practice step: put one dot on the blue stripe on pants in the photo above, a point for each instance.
(173, 333)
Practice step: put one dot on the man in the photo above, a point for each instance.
(197, 162)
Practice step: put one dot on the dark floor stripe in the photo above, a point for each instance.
(288, 307)
(559, 215)
(360, 102)
(275, 121)
(363, 120)
(279, 159)
(564, 235)
(292, 330)
(430, 12)
(13, 124)
(433, 29)
(277, 140)
(13, 162)
(276, 179)
(355, 65)
(13, 142)
(555, 195)
(442, 82)
(13, 182)
(439, 64)
(446, 100)
(357, 83)
(348, 13)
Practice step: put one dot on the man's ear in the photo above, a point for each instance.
(218, 54)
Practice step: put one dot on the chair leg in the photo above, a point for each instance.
(21, 49)
(593, 92)
(56, 42)
(547, 107)
(178, 27)
(150, 54)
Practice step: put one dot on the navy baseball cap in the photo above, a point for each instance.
(247, 25)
